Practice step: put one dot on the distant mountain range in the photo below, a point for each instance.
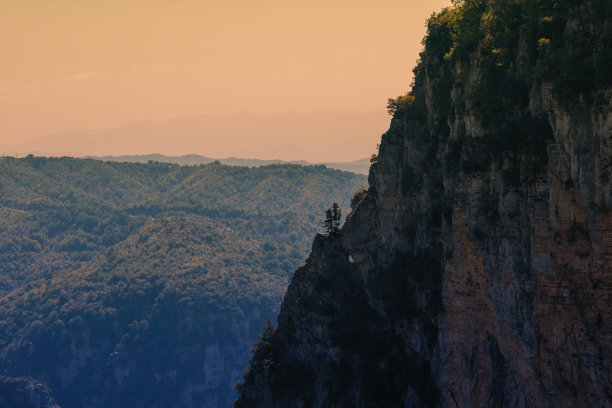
(361, 166)
(316, 137)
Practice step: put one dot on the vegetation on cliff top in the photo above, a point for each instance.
(512, 44)
(508, 49)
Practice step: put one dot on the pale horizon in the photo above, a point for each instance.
(72, 65)
(324, 136)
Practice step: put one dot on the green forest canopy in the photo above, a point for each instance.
(125, 252)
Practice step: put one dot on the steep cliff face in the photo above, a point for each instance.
(24, 393)
(477, 269)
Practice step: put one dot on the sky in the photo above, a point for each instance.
(83, 64)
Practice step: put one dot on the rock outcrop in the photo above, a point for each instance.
(24, 393)
(476, 271)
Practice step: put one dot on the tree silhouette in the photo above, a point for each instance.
(332, 219)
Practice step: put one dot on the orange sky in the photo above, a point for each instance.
(101, 63)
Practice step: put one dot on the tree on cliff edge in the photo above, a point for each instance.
(332, 219)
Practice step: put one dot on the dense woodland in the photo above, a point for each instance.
(120, 277)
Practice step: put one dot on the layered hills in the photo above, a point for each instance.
(475, 270)
(361, 166)
(145, 285)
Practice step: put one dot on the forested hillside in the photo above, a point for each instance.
(126, 284)
(361, 166)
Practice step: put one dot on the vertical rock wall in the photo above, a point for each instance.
(475, 272)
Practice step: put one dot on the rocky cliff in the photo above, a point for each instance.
(476, 271)
(24, 393)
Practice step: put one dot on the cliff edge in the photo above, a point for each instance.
(476, 270)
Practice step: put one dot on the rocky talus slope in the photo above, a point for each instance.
(477, 269)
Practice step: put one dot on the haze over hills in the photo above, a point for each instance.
(361, 166)
(129, 284)
(315, 137)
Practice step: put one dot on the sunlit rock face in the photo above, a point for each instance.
(475, 272)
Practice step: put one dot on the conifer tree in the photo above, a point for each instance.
(332, 219)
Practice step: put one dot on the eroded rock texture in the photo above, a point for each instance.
(475, 272)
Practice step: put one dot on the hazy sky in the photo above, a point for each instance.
(101, 63)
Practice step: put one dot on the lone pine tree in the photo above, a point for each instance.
(332, 218)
